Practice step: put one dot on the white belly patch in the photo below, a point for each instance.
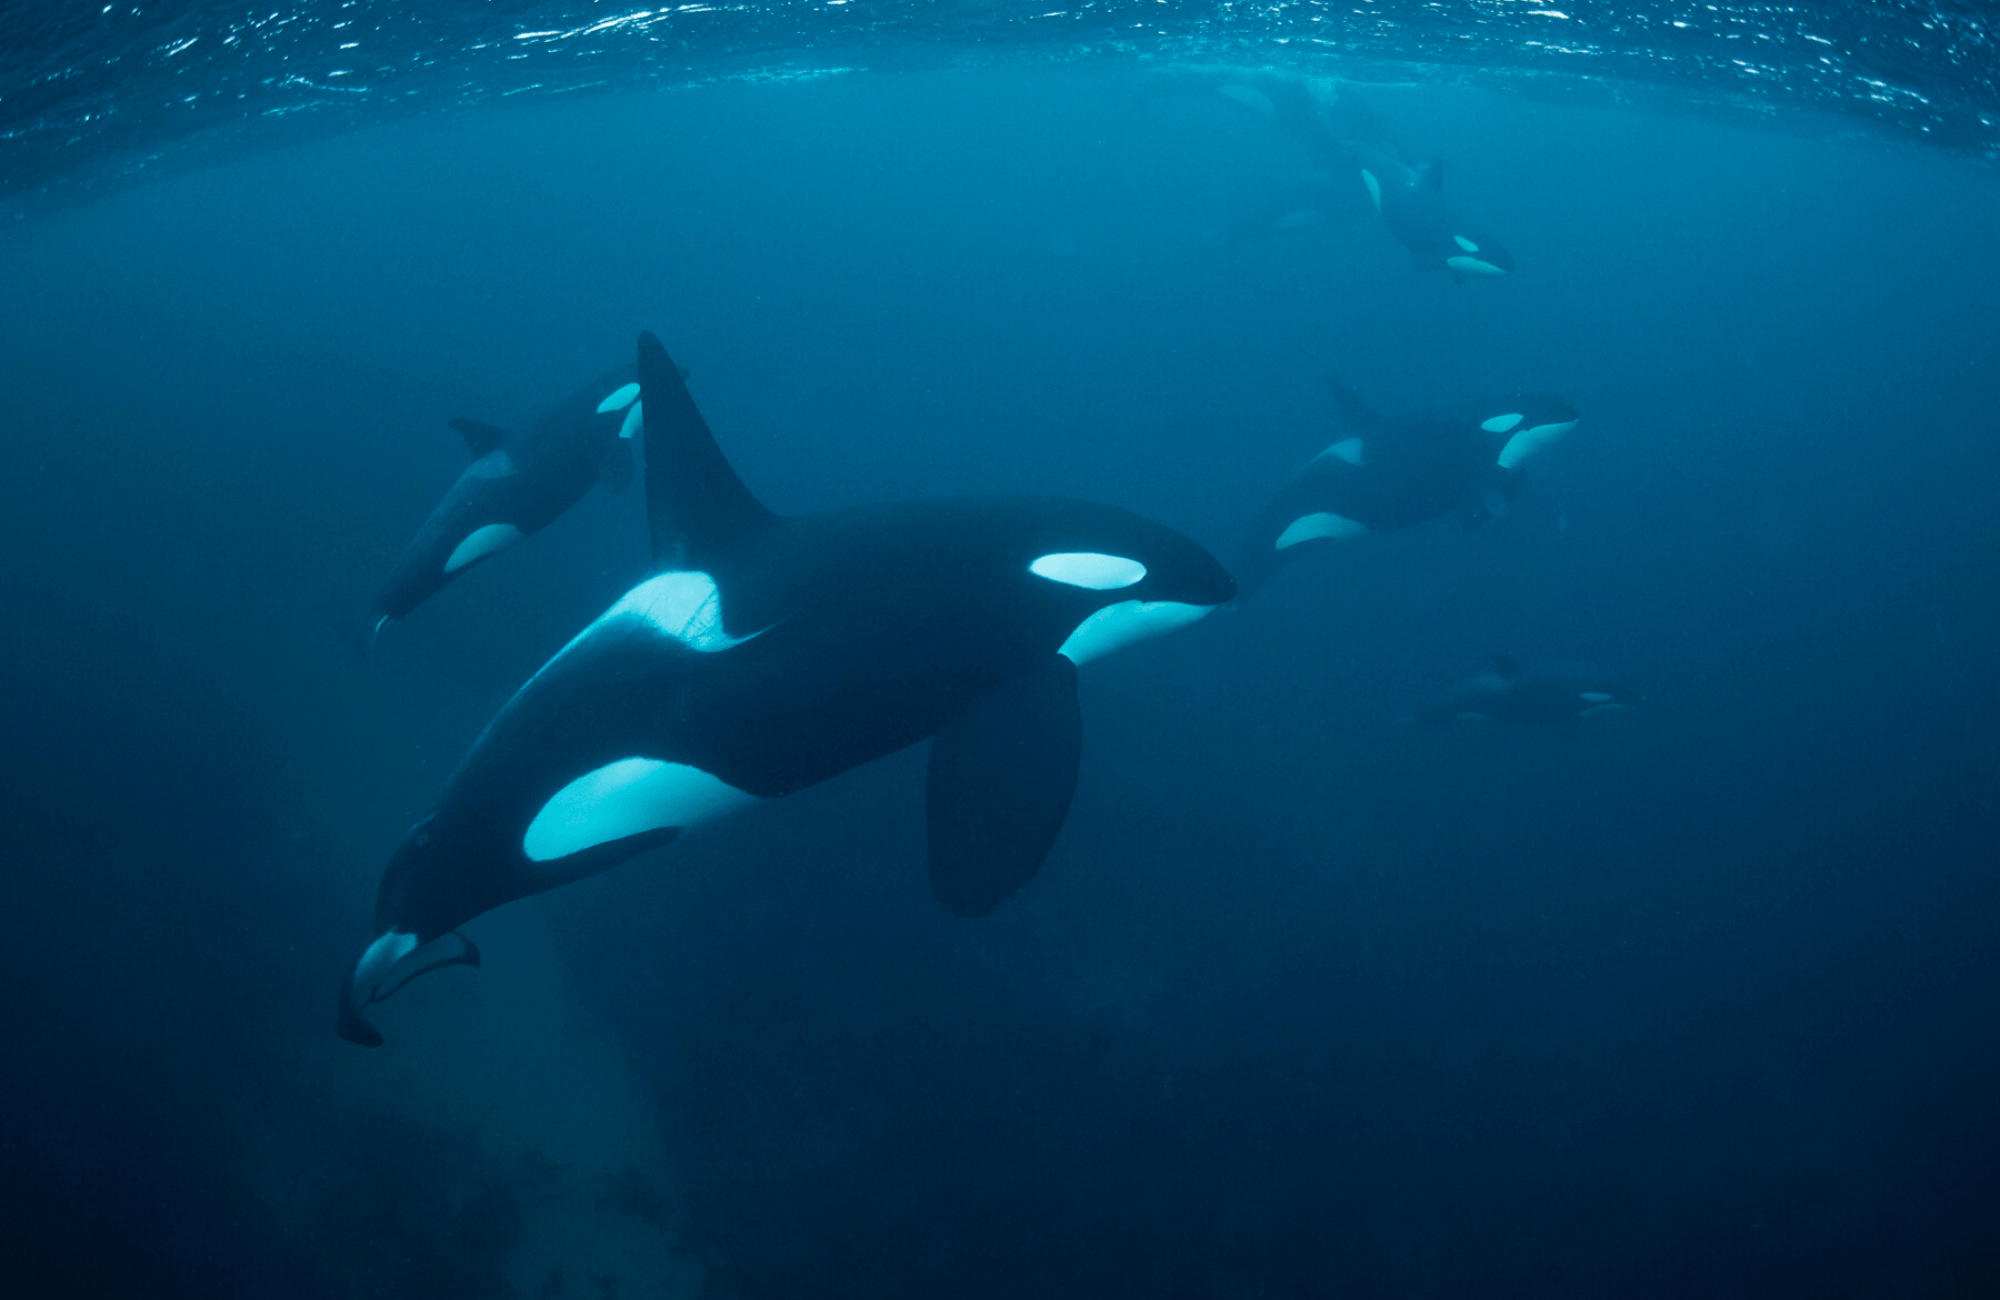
(625, 798)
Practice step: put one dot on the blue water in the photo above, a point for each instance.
(1307, 1000)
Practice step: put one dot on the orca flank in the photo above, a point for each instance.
(765, 653)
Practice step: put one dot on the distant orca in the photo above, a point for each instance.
(1344, 135)
(516, 485)
(1559, 694)
(1413, 205)
(1392, 472)
(766, 653)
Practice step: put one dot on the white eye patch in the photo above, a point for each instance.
(1308, 527)
(619, 399)
(1089, 569)
(1501, 423)
(1465, 243)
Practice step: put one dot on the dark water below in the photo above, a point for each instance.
(1307, 1001)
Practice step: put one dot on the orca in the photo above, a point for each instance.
(517, 485)
(1344, 135)
(1391, 472)
(1551, 695)
(1424, 220)
(764, 653)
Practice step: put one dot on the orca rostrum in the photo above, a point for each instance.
(764, 653)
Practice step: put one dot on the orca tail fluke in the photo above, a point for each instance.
(361, 633)
(385, 966)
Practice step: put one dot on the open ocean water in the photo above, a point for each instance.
(1698, 998)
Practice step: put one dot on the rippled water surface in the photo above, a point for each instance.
(87, 93)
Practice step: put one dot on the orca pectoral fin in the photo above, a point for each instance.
(1002, 771)
(480, 438)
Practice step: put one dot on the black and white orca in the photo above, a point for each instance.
(1549, 695)
(764, 653)
(1424, 220)
(517, 484)
(1391, 472)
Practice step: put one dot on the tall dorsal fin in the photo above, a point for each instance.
(1432, 176)
(1354, 413)
(694, 500)
(1506, 666)
(481, 437)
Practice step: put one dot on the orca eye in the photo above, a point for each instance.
(1089, 569)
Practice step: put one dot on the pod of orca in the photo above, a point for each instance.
(764, 653)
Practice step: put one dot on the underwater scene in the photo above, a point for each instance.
(886, 649)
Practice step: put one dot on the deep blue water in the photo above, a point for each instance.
(1307, 1000)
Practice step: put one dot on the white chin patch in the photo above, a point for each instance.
(1374, 188)
(1116, 626)
(1089, 569)
(1319, 525)
(1465, 243)
(684, 606)
(1352, 450)
(635, 420)
(628, 797)
(480, 543)
(1501, 423)
(1594, 697)
(620, 399)
(1472, 266)
(1531, 440)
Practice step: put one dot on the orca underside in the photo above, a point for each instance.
(765, 653)
(517, 485)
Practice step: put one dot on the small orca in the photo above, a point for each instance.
(1344, 135)
(1559, 694)
(1390, 472)
(1417, 212)
(516, 485)
(765, 653)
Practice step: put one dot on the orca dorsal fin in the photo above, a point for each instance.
(1432, 176)
(1506, 666)
(694, 500)
(482, 438)
(1354, 413)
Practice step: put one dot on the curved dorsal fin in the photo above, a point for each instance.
(1354, 413)
(694, 501)
(480, 437)
(1506, 666)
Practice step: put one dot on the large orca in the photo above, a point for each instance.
(1551, 694)
(764, 653)
(1390, 472)
(1424, 220)
(517, 484)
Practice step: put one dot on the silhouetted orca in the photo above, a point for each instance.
(1392, 472)
(1413, 205)
(765, 653)
(516, 485)
(1560, 694)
